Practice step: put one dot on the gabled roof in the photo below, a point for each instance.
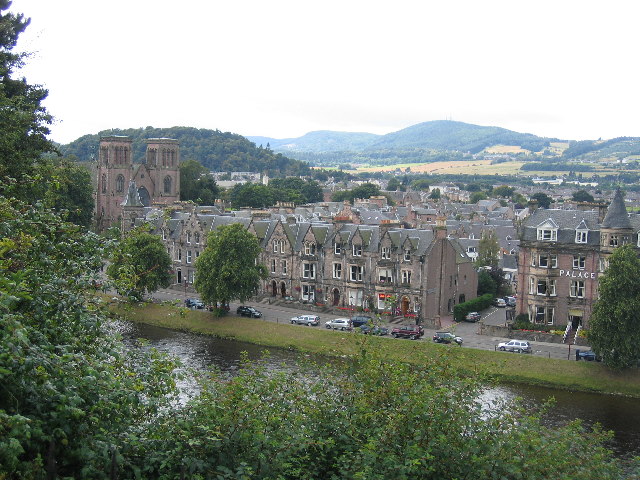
(616, 216)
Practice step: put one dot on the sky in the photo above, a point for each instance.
(282, 68)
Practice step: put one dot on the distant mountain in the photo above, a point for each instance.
(216, 150)
(443, 135)
(320, 141)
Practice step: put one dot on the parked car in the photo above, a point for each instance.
(499, 302)
(193, 303)
(338, 324)
(517, 346)
(472, 317)
(359, 320)
(246, 311)
(510, 301)
(309, 320)
(447, 337)
(374, 329)
(588, 355)
(414, 332)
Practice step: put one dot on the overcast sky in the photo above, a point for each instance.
(282, 68)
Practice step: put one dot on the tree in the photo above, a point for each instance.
(582, 196)
(486, 284)
(504, 191)
(227, 270)
(140, 264)
(366, 190)
(477, 196)
(543, 200)
(393, 185)
(71, 392)
(251, 195)
(614, 326)
(421, 184)
(488, 249)
(24, 121)
(196, 184)
(435, 194)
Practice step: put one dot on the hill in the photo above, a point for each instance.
(441, 135)
(214, 149)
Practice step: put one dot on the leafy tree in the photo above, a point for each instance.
(519, 200)
(252, 195)
(477, 196)
(504, 191)
(543, 200)
(24, 121)
(582, 196)
(488, 249)
(226, 270)
(297, 190)
(421, 184)
(366, 190)
(614, 325)
(486, 283)
(140, 264)
(435, 194)
(473, 187)
(71, 393)
(394, 185)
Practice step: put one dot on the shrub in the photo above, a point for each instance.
(475, 305)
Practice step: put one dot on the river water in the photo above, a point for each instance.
(619, 414)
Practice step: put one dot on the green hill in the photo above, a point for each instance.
(320, 141)
(214, 149)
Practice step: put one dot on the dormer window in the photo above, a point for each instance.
(309, 248)
(337, 248)
(407, 254)
(581, 236)
(548, 234)
(357, 250)
(386, 253)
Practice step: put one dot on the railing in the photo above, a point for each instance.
(575, 339)
(566, 332)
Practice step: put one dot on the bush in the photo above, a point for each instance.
(477, 304)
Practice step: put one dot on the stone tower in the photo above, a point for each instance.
(114, 171)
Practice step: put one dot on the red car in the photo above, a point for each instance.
(413, 332)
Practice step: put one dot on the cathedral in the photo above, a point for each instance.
(156, 180)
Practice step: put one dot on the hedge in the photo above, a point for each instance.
(477, 304)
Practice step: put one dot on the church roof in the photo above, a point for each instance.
(132, 199)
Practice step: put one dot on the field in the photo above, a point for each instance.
(464, 167)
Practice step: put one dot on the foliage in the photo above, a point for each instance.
(488, 249)
(614, 325)
(474, 305)
(366, 190)
(582, 196)
(435, 194)
(385, 420)
(227, 269)
(296, 190)
(486, 283)
(504, 191)
(140, 264)
(522, 322)
(421, 184)
(24, 121)
(543, 200)
(477, 196)
(70, 392)
(196, 185)
(254, 195)
(215, 150)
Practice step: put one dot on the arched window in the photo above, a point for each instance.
(120, 184)
(104, 183)
(167, 184)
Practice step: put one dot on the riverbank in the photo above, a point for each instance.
(503, 367)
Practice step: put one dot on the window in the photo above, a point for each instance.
(308, 270)
(577, 289)
(337, 270)
(532, 284)
(104, 183)
(167, 184)
(273, 265)
(579, 261)
(197, 238)
(189, 255)
(548, 234)
(197, 253)
(283, 264)
(542, 287)
(544, 315)
(357, 250)
(386, 253)
(552, 287)
(164, 234)
(385, 275)
(337, 249)
(356, 273)
(120, 183)
(613, 240)
(191, 276)
(308, 292)
(178, 254)
(603, 263)
(533, 260)
(406, 276)
(548, 261)
(309, 248)
(188, 237)
(407, 254)
(581, 236)
(275, 246)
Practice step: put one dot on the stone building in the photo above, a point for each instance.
(562, 255)
(156, 180)
(381, 268)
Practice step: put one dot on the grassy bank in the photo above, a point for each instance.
(582, 376)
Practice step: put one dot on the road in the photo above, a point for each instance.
(468, 331)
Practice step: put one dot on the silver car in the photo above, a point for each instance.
(339, 324)
(306, 320)
(517, 346)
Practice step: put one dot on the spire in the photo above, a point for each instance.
(132, 199)
(616, 216)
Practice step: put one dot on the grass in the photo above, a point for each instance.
(503, 367)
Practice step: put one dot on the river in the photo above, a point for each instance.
(619, 414)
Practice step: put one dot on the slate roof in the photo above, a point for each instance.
(617, 216)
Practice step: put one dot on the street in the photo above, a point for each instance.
(467, 330)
